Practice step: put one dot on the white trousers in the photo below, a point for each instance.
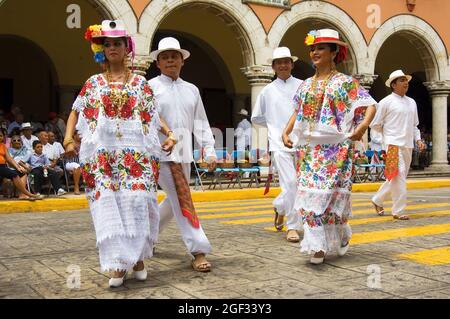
(194, 238)
(397, 186)
(287, 174)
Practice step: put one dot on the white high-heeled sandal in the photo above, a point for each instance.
(117, 282)
(343, 249)
(317, 260)
(140, 275)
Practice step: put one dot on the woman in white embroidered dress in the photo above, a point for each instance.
(118, 123)
(333, 110)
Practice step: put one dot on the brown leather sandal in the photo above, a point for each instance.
(379, 210)
(278, 227)
(203, 266)
(401, 217)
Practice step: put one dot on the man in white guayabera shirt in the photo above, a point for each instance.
(180, 104)
(274, 106)
(397, 120)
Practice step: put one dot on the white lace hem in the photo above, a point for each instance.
(121, 253)
(327, 238)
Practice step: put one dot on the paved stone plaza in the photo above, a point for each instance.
(40, 254)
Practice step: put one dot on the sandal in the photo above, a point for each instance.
(401, 217)
(278, 227)
(378, 209)
(203, 266)
(292, 238)
(31, 199)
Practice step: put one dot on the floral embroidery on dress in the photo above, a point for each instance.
(327, 218)
(136, 96)
(326, 166)
(340, 93)
(125, 169)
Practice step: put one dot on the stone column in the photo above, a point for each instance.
(258, 76)
(366, 80)
(141, 64)
(439, 91)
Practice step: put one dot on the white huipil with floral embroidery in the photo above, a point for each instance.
(326, 159)
(119, 156)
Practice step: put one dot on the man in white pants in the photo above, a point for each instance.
(274, 106)
(180, 104)
(397, 120)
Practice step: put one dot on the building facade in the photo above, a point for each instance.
(45, 60)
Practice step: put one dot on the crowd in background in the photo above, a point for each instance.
(36, 155)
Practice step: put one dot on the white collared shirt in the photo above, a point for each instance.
(397, 120)
(28, 143)
(53, 151)
(243, 134)
(180, 105)
(274, 106)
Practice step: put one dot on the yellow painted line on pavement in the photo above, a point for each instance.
(201, 205)
(352, 222)
(248, 221)
(231, 209)
(410, 207)
(214, 216)
(431, 257)
(243, 206)
(362, 221)
(374, 219)
(383, 235)
(369, 203)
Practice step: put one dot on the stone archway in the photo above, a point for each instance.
(33, 75)
(427, 42)
(238, 17)
(434, 57)
(329, 14)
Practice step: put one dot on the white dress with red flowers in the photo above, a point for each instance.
(119, 157)
(325, 166)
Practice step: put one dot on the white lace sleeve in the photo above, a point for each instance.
(79, 104)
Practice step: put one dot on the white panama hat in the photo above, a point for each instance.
(395, 75)
(281, 53)
(243, 112)
(169, 44)
(25, 126)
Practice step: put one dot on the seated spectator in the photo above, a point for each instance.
(56, 125)
(17, 123)
(54, 155)
(73, 164)
(6, 139)
(20, 154)
(14, 174)
(41, 170)
(27, 137)
(58, 149)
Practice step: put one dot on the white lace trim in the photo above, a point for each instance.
(121, 253)
(318, 201)
(79, 104)
(327, 238)
(125, 213)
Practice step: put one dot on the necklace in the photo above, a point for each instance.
(119, 97)
(316, 105)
